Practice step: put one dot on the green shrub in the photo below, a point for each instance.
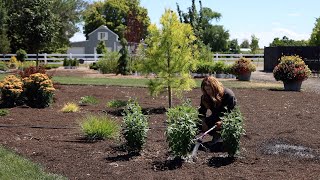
(88, 100)
(4, 112)
(11, 88)
(70, 107)
(38, 90)
(3, 66)
(93, 66)
(21, 55)
(232, 129)
(219, 67)
(136, 126)
(116, 103)
(182, 129)
(243, 66)
(109, 63)
(99, 127)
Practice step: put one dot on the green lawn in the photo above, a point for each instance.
(13, 166)
(142, 82)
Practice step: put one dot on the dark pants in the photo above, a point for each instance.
(210, 122)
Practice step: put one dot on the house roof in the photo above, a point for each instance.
(103, 27)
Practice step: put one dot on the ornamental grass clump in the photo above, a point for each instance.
(70, 107)
(135, 126)
(11, 89)
(116, 103)
(291, 68)
(88, 100)
(182, 129)
(38, 90)
(99, 127)
(243, 66)
(232, 129)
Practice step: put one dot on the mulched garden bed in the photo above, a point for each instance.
(282, 138)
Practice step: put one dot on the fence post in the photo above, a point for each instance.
(95, 57)
(45, 58)
(70, 55)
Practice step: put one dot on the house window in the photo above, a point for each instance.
(102, 36)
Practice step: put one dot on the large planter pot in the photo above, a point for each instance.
(244, 77)
(292, 85)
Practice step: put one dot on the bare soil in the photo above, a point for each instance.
(282, 138)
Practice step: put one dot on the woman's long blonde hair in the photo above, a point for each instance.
(217, 90)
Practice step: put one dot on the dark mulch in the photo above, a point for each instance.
(275, 120)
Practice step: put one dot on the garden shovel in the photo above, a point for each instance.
(199, 141)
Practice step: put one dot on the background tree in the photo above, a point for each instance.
(32, 26)
(69, 13)
(93, 17)
(254, 45)
(234, 46)
(4, 41)
(115, 14)
(214, 36)
(285, 41)
(315, 35)
(245, 44)
(169, 55)
(217, 38)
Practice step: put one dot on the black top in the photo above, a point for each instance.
(228, 102)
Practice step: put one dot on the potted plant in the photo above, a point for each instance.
(292, 71)
(219, 68)
(242, 68)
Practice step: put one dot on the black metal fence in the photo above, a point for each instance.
(310, 55)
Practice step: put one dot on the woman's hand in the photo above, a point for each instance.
(218, 124)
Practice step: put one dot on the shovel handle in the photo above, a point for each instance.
(205, 133)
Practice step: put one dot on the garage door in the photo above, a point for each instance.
(76, 50)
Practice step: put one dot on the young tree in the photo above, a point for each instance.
(101, 47)
(124, 58)
(315, 35)
(170, 55)
(234, 46)
(254, 44)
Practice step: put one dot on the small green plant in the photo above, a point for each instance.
(88, 100)
(135, 126)
(232, 129)
(116, 103)
(70, 107)
(182, 129)
(4, 112)
(99, 127)
(109, 63)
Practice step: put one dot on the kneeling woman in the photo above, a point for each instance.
(218, 100)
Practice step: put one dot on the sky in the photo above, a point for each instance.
(266, 19)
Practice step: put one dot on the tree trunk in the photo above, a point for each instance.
(169, 96)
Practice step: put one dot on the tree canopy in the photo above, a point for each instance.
(315, 35)
(42, 25)
(254, 45)
(285, 41)
(117, 13)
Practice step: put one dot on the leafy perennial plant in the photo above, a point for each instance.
(136, 126)
(182, 129)
(232, 129)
